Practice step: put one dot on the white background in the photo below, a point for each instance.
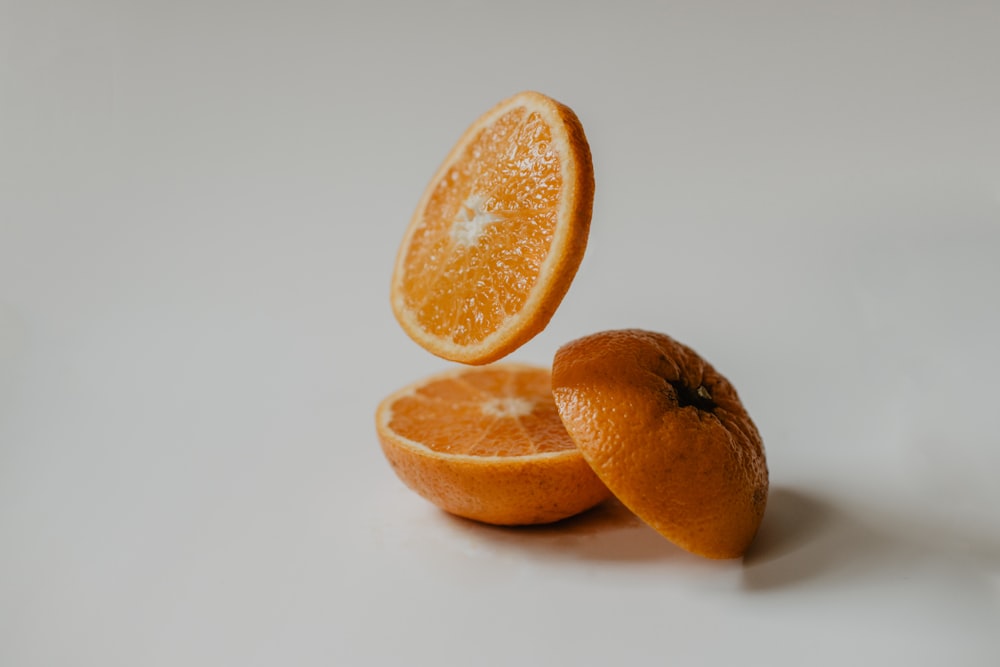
(200, 205)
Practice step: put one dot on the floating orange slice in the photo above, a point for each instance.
(487, 444)
(499, 233)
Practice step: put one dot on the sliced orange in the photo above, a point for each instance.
(487, 444)
(499, 233)
(668, 435)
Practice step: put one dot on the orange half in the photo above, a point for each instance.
(487, 444)
(499, 233)
(669, 436)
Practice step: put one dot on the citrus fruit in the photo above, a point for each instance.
(498, 234)
(486, 443)
(667, 434)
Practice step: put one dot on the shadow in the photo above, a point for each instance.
(607, 515)
(804, 539)
(793, 518)
(801, 537)
(607, 532)
(611, 532)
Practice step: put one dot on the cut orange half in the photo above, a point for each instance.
(499, 233)
(487, 444)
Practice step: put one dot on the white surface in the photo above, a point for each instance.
(200, 204)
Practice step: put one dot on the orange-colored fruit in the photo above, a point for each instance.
(668, 435)
(499, 233)
(487, 443)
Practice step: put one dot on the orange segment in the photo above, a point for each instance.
(487, 444)
(668, 435)
(499, 233)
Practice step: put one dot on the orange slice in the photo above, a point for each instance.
(487, 444)
(499, 233)
(668, 435)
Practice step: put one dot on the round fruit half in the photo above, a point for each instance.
(668, 435)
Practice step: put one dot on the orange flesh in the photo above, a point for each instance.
(472, 272)
(488, 413)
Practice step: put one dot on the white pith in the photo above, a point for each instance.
(472, 220)
(509, 406)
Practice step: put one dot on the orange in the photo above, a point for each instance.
(499, 233)
(668, 435)
(487, 444)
